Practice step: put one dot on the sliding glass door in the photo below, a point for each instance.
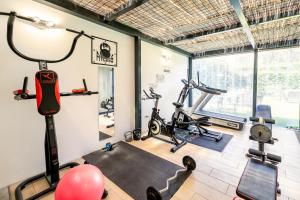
(279, 84)
(233, 73)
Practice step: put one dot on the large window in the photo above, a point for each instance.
(279, 84)
(233, 73)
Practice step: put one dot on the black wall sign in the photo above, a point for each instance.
(104, 52)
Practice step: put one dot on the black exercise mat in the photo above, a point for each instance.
(134, 170)
(203, 141)
(103, 136)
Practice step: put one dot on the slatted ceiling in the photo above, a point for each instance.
(262, 9)
(281, 30)
(102, 7)
(168, 19)
(151, 19)
(144, 21)
(228, 39)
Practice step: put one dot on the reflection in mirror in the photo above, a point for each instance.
(106, 102)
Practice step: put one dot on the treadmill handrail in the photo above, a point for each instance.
(216, 89)
(203, 88)
(211, 88)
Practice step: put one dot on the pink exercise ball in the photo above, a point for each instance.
(83, 182)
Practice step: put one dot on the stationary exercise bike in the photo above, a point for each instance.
(186, 122)
(157, 124)
(48, 104)
(108, 104)
(259, 179)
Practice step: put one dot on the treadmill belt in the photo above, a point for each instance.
(221, 116)
(203, 141)
(134, 170)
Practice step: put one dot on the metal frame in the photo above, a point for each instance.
(221, 52)
(205, 33)
(255, 70)
(137, 83)
(130, 5)
(261, 21)
(248, 48)
(238, 10)
(73, 9)
(190, 77)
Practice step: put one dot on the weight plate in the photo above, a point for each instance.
(153, 194)
(155, 127)
(261, 133)
(189, 162)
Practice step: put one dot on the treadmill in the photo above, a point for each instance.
(229, 121)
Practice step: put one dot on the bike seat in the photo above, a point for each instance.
(178, 105)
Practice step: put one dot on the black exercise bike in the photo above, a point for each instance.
(184, 120)
(108, 104)
(157, 125)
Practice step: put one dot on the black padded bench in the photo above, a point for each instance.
(259, 181)
(264, 111)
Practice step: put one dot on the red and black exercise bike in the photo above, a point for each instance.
(48, 104)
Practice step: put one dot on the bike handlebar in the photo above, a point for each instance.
(152, 94)
(148, 97)
(185, 82)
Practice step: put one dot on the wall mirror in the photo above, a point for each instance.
(106, 102)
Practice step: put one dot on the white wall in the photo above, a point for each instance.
(154, 60)
(22, 128)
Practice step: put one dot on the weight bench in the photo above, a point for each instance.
(264, 111)
(259, 181)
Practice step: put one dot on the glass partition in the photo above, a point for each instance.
(279, 84)
(233, 73)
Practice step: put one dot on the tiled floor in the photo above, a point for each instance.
(217, 174)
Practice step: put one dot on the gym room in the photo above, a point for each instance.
(150, 99)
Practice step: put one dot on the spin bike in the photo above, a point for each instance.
(108, 104)
(186, 122)
(259, 179)
(157, 124)
(48, 104)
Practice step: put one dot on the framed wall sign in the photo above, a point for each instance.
(104, 52)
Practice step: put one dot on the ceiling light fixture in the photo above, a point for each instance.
(43, 23)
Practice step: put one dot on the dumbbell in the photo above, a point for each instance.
(189, 165)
